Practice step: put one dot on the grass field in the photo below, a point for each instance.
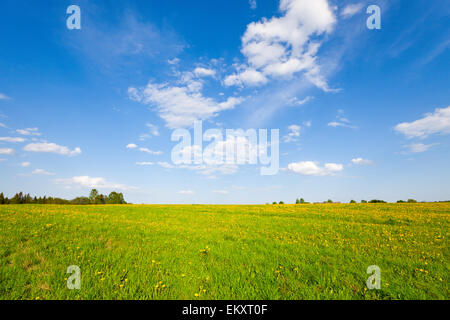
(225, 252)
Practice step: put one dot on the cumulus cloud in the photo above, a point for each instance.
(282, 46)
(47, 147)
(29, 132)
(351, 9)
(93, 182)
(131, 146)
(361, 161)
(437, 122)
(311, 168)
(204, 72)
(181, 106)
(6, 151)
(252, 4)
(249, 77)
(25, 164)
(3, 125)
(12, 139)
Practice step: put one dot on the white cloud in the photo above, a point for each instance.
(12, 139)
(4, 97)
(419, 147)
(42, 172)
(294, 133)
(361, 161)
(93, 182)
(3, 125)
(341, 121)
(25, 164)
(131, 146)
(203, 72)
(166, 165)
(180, 106)
(7, 151)
(220, 191)
(186, 192)
(252, 4)
(249, 77)
(146, 163)
(173, 61)
(283, 46)
(29, 132)
(51, 148)
(437, 122)
(2, 160)
(296, 102)
(351, 9)
(153, 131)
(311, 168)
(147, 150)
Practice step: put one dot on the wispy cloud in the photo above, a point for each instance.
(437, 122)
(46, 147)
(419, 147)
(350, 10)
(186, 192)
(4, 97)
(93, 182)
(6, 151)
(29, 132)
(12, 139)
(42, 172)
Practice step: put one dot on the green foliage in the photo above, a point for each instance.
(412, 201)
(363, 201)
(352, 201)
(94, 198)
(377, 201)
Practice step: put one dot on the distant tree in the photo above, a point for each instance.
(400, 201)
(93, 195)
(116, 198)
(281, 202)
(330, 201)
(363, 201)
(2, 198)
(297, 201)
(377, 201)
(302, 201)
(274, 202)
(352, 201)
(412, 201)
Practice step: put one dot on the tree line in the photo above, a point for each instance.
(94, 198)
(302, 201)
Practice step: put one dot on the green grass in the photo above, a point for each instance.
(225, 252)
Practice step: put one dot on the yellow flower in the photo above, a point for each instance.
(196, 294)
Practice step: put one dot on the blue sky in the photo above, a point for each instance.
(362, 113)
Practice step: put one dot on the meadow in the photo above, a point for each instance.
(310, 251)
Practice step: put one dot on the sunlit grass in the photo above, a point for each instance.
(225, 252)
